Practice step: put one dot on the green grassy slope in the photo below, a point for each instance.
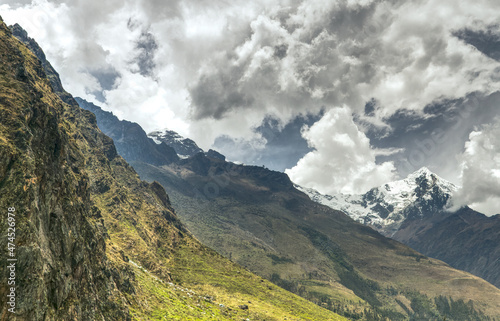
(93, 241)
(256, 218)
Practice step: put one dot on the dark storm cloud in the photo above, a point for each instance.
(147, 46)
(106, 78)
(339, 53)
(284, 145)
(370, 107)
(279, 64)
(215, 95)
(280, 51)
(487, 41)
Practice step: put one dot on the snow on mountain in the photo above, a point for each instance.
(388, 206)
(184, 147)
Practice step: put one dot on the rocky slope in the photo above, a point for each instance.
(50, 72)
(62, 269)
(93, 241)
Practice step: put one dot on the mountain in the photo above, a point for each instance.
(466, 239)
(184, 147)
(412, 211)
(386, 207)
(92, 241)
(258, 219)
(50, 72)
(130, 134)
(133, 144)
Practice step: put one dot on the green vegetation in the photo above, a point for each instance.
(458, 310)
(350, 278)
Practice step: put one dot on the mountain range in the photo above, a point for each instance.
(413, 211)
(105, 245)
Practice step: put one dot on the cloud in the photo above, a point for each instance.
(480, 176)
(433, 139)
(210, 69)
(486, 40)
(148, 46)
(343, 160)
(347, 53)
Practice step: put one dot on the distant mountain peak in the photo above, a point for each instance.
(422, 171)
(386, 207)
(420, 182)
(184, 147)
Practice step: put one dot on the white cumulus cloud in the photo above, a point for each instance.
(343, 160)
(481, 171)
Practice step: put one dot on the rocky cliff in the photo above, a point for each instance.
(62, 271)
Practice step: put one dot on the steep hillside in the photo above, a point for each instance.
(465, 239)
(94, 242)
(50, 72)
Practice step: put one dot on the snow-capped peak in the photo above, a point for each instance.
(417, 183)
(387, 206)
(183, 146)
(422, 172)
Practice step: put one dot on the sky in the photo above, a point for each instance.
(341, 95)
